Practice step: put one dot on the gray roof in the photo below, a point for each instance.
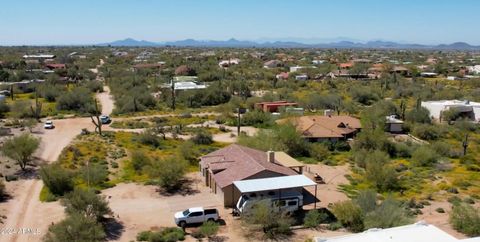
(274, 183)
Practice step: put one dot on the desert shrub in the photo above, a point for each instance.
(272, 222)
(364, 95)
(418, 115)
(319, 152)
(202, 137)
(168, 173)
(4, 108)
(424, 156)
(76, 227)
(140, 160)
(466, 219)
(314, 218)
(148, 137)
(87, 203)
(441, 148)
(79, 99)
(388, 214)
(379, 173)
(163, 235)
(427, 132)
(94, 174)
(440, 210)
(367, 200)
(257, 119)
(57, 179)
(187, 151)
(21, 148)
(349, 214)
(94, 86)
(209, 229)
(403, 150)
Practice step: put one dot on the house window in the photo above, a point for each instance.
(292, 203)
(195, 214)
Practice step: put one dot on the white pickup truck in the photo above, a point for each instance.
(195, 215)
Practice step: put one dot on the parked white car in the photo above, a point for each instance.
(195, 216)
(48, 125)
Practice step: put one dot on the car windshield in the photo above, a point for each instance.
(49, 122)
(186, 212)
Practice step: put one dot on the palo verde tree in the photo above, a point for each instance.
(21, 149)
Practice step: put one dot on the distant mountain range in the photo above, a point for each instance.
(378, 44)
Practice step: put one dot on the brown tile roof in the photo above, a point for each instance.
(237, 162)
(319, 126)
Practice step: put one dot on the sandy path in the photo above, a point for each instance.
(106, 100)
(25, 210)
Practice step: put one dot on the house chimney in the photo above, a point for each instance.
(271, 156)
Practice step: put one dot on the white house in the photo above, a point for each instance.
(418, 232)
(227, 63)
(318, 62)
(474, 69)
(185, 83)
(471, 109)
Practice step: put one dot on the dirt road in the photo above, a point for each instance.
(24, 210)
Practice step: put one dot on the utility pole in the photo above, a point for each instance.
(239, 121)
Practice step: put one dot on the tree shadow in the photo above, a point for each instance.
(114, 229)
(27, 174)
(186, 187)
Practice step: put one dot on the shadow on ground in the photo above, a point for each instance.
(114, 229)
(186, 188)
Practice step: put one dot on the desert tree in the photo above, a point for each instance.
(21, 149)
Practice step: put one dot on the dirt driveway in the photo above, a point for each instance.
(139, 207)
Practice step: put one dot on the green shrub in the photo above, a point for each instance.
(440, 210)
(389, 214)
(350, 215)
(140, 160)
(272, 222)
(424, 156)
(169, 173)
(209, 229)
(148, 137)
(202, 137)
(58, 180)
(319, 152)
(427, 132)
(76, 227)
(94, 174)
(314, 218)
(334, 226)
(164, 235)
(378, 172)
(466, 219)
(86, 202)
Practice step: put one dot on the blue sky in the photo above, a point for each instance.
(97, 21)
